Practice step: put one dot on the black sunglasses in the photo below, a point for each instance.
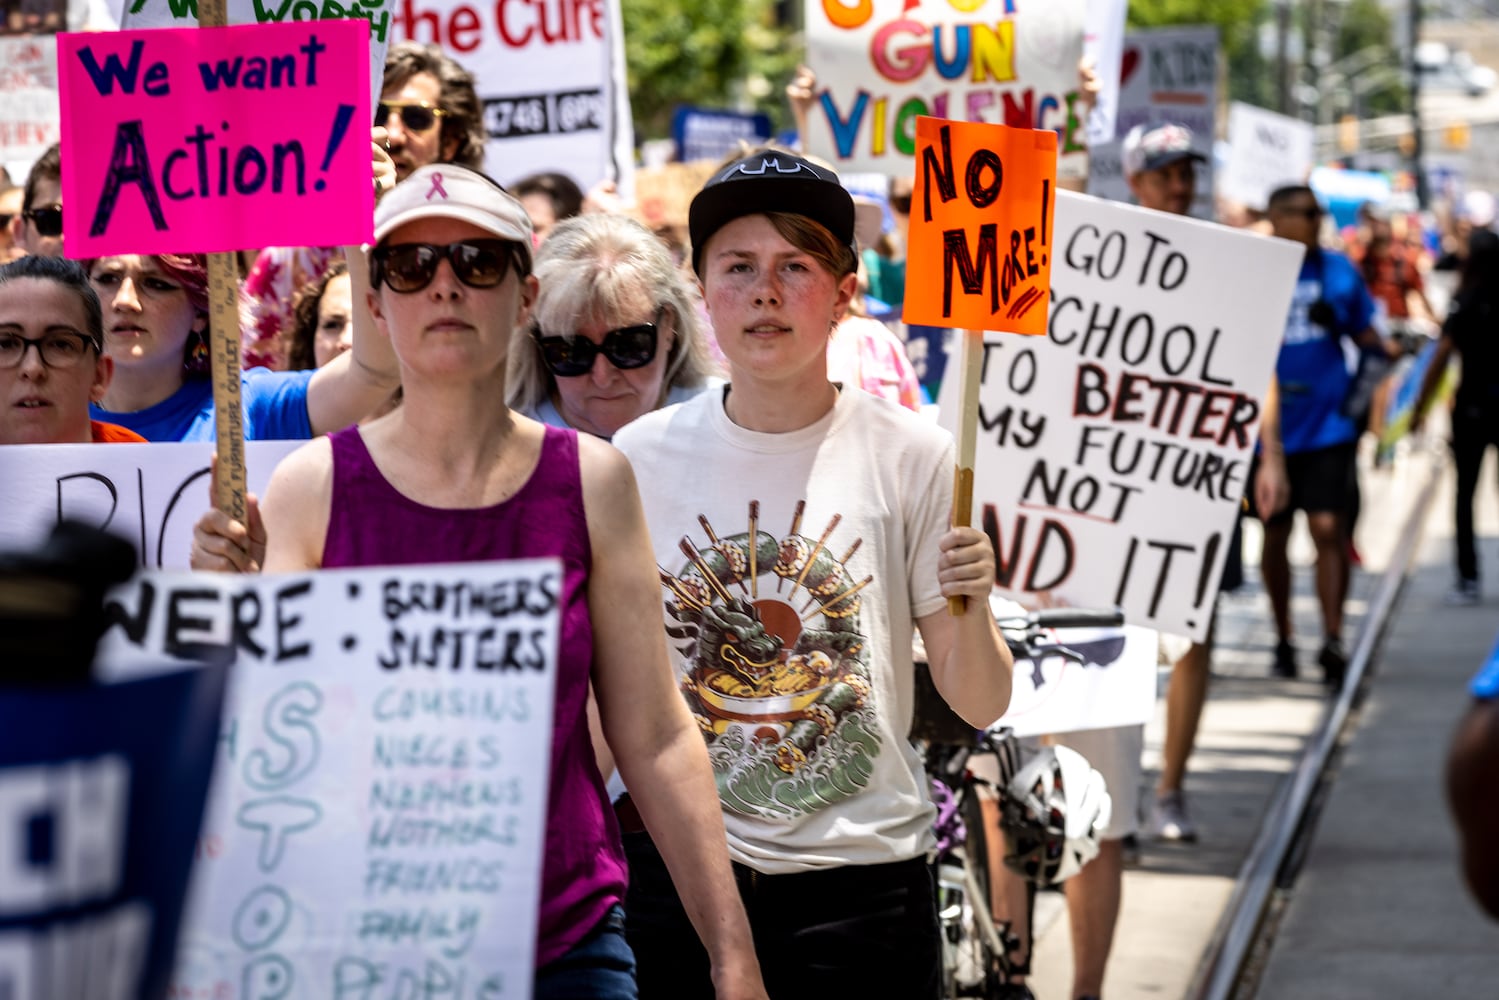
(416, 117)
(1312, 212)
(48, 221)
(410, 267)
(627, 347)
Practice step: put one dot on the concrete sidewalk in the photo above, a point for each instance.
(1253, 730)
(1379, 909)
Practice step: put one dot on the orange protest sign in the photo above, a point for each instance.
(979, 251)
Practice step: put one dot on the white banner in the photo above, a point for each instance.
(881, 63)
(184, 14)
(1103, 43)
(377, 813)
(551, 76)
(1266, 151)
(1114, 685)
(1168, 75)
(1114, 452)
(150, 494)
(28, 97)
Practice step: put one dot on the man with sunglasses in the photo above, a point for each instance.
(38, 229)
(1317, 440)
(429, 110)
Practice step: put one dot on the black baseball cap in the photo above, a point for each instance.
(772, 181)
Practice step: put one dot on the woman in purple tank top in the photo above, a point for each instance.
(454, 475)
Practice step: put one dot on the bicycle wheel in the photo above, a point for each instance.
(977, 946)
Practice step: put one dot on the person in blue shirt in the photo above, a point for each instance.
(156, 330)
(1318, 437)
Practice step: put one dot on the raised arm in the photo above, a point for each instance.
(656, 745)
(353, 385)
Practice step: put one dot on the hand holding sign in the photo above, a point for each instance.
(981, 217)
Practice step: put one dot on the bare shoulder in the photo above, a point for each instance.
(309, 467)
(611, 499)
(296, 508)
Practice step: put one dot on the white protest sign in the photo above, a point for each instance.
(1115, 685)
(1168, 75)
(28, 97)
(551, 77)
(1266, 151)
(1114, 452)
(150, 494)
(880, 65)
(184, 14)
(1103, 43)
(378, 807)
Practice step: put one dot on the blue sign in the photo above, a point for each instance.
(101, 796)
(712, 134)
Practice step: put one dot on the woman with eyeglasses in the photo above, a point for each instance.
(614, 334)
(455, 475)
(52, 360)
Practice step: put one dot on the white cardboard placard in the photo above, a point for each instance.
(1114, 452)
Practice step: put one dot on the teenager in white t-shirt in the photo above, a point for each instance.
(802, 534)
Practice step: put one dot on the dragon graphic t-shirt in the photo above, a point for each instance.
(793, 567)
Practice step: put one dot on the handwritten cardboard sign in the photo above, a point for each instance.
(882, 65)
(1166, 75)
(149, 494)
(1113, 453)
(1266, 151)
(377, 815)
(217, 139)
(101, 795)
(980, 247)
(28, 97)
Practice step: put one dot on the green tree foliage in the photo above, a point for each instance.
(1366, 24)
(1251, 77)
(713, 53)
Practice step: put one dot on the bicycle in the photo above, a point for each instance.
(980, 955)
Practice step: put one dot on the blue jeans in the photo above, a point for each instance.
(599, 967)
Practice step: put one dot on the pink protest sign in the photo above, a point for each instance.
(201, 140)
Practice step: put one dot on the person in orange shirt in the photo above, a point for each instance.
(52, 361)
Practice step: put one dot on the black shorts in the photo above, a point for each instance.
(1322, 481)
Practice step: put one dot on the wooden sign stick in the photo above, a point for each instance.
(223, 346)
(970, 368)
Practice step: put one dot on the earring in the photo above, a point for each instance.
(197, 360)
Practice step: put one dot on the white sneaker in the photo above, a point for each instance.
(1169, 819)
(1464, 594)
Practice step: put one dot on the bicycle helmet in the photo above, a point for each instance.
(1054, 810)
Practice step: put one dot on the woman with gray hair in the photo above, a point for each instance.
(615, 333)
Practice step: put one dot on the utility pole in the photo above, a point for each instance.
(1417, 141)
(1283, 63)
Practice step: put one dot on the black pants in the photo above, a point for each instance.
(858, 931)
(1474, 429)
